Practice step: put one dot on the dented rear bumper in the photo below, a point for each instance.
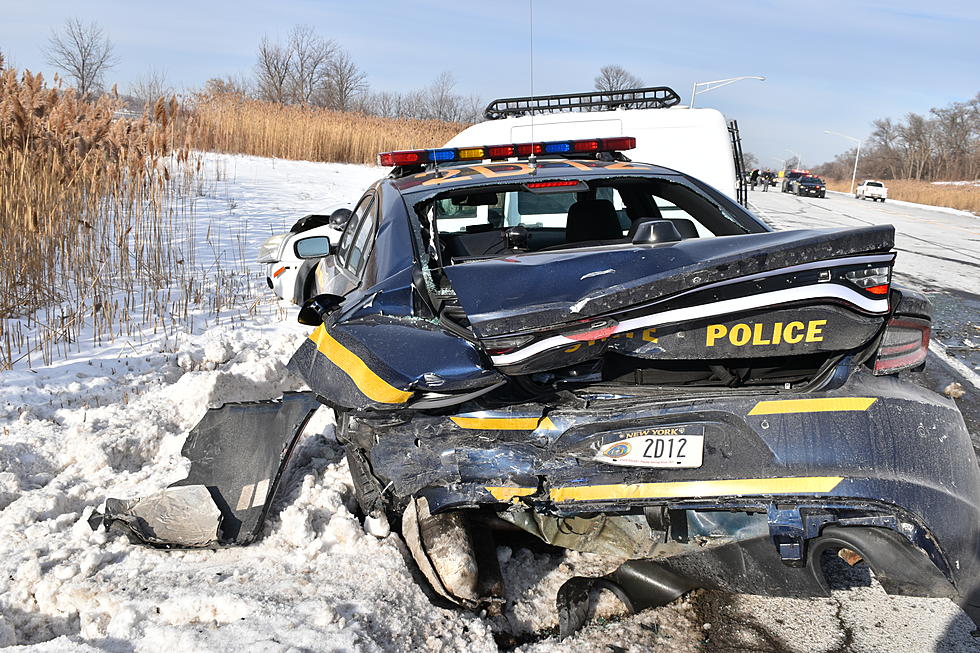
(879, 466)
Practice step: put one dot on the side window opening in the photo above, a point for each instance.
(361, 211)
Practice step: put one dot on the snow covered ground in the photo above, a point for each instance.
(112, 419)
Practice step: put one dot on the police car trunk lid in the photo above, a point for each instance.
(623, 290)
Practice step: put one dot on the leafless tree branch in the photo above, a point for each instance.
(83, 53)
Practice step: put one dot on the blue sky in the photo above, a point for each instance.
(833, 64)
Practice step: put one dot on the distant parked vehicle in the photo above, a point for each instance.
(789, 179)
(811, 185)
(869, 189)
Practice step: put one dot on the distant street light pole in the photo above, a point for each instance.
(799, 159)
(856, 156)
(782, 162)
(718, 83)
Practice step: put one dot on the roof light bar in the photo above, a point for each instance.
(497, 152)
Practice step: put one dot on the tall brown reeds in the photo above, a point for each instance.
(87, 207)
(961, 196)
(229, 123)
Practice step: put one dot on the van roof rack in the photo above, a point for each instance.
(653, 97)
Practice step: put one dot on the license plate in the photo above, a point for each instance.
(662, 446)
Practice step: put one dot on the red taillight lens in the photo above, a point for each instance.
(499, 346)
(904, 345)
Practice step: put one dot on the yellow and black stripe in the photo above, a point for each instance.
(367, 380)
(804, 485)
(821, 405)
(493, 423)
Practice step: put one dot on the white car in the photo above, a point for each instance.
(291, 258)
(869, 189)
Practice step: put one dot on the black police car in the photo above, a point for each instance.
(810, 185)
(616, 358)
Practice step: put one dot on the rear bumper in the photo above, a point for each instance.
(878, 465)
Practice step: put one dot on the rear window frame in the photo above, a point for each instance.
(418, 201)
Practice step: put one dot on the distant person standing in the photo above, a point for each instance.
(766, 180)
(754, 177)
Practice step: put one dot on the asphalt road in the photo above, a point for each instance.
(939, 253)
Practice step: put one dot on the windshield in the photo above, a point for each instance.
(876, 184)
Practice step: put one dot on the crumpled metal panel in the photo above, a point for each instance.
(238, 453)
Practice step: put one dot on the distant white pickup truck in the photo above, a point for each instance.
(874, 190)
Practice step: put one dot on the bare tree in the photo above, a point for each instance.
(273, 71)
(345, 82)
(83, 53)
(311, 58)
(150, 86)
(218, 86)
(616, 78)
(445, 105)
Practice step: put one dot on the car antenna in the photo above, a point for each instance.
(532, 160)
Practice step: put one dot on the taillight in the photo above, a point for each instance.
(499, 346)
(904, 345)
(873, 280)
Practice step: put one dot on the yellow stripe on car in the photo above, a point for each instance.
(504, 423)
(824, 405)
(372, 385)
(510, 493)
(694, 489)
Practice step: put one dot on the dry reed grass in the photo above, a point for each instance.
(97, 217)
(955, 196)
(227, 123)
(89, 213)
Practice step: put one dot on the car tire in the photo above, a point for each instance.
(882, 200)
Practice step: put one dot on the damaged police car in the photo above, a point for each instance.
(616, 358)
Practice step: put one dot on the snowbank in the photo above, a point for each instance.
(111, 419)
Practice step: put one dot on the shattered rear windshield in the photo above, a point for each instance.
(479, 221)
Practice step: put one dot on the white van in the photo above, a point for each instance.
(694, 141)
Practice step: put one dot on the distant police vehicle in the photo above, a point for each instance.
(789, 179)
(811, 185)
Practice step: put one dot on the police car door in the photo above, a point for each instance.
(341, 273)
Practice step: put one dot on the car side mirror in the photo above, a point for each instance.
(313, 247)
(316, 309)
(339, 218)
